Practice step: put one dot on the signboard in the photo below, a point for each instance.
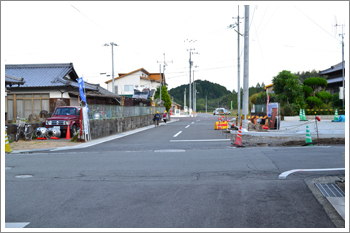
(270, 107)
(86, 123)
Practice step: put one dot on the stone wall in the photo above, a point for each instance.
(106, 127)
(100, 128)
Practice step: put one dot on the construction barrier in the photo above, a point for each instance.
(238, 142)
(308, 140)
(68, 133)
(7, 144)
(336, 115)
(221, 125)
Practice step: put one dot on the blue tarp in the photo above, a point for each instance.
(341, 118)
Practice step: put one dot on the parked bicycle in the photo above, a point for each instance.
(25, 129)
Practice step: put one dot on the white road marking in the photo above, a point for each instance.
(170, 150)
(16, 224)
(202, 140)
(177, 134)
(192, 123)
(187, 126)
(284, 175)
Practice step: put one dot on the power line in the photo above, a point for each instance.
(269, 19)
(87, 17)
(318, 25)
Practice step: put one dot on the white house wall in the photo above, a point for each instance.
(132, 79)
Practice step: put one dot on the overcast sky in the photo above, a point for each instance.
(294, 36)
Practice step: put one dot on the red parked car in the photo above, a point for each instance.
(64, 117)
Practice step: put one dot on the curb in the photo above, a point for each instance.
(93, 141)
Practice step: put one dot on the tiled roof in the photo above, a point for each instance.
(50, 75)
(333, 68)
(11, 80)
(43, 75)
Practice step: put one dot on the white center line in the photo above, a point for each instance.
(192, 123)
(177, 134)
(187, 126)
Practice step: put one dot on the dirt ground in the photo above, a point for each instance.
(41, 144)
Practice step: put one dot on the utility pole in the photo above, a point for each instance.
(238, 68)
(206, 104)
(246, 68)
(160, 82)
(342, 41)
(112, 44)
(190, 64)
(194, 93)
(184, 99)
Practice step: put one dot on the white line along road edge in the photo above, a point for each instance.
(284, 175)
(202, 140)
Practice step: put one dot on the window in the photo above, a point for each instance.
(115, 89)
(22, 105)
(128, 88)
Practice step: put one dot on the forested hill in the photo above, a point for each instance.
(205, 88)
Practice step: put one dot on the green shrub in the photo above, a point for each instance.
(307, 90)
(314, 101)
(324, 95)
(336, 102)
(290, 110)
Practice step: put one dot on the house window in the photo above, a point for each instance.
(115, 89)
(22, 105)
(128, 88)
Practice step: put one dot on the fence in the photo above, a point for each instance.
(324, 111)
(97, 111)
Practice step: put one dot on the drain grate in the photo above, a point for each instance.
(330, 190)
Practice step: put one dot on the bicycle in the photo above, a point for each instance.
(24, 128)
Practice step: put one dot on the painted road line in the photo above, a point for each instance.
(16, 224)
(202, 140)
(284, 175)
(175, 150)
(187, 126)
(177, 134)
(192, 123)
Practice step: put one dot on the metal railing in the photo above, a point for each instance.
(97, 111)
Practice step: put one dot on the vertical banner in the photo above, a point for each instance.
(81, 89)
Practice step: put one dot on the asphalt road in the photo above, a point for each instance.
(154, 179)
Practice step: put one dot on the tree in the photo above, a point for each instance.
(286, 87)
(316, 84)
(165, 97)
(308, 74)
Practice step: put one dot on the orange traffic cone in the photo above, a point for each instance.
(68, 132)
(238, 142)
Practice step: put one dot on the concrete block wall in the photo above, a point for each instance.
(106, 127)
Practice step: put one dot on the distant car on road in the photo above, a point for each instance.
(221, 111)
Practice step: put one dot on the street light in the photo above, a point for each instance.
(112, 44)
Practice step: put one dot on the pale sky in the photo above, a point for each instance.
(294, 36)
